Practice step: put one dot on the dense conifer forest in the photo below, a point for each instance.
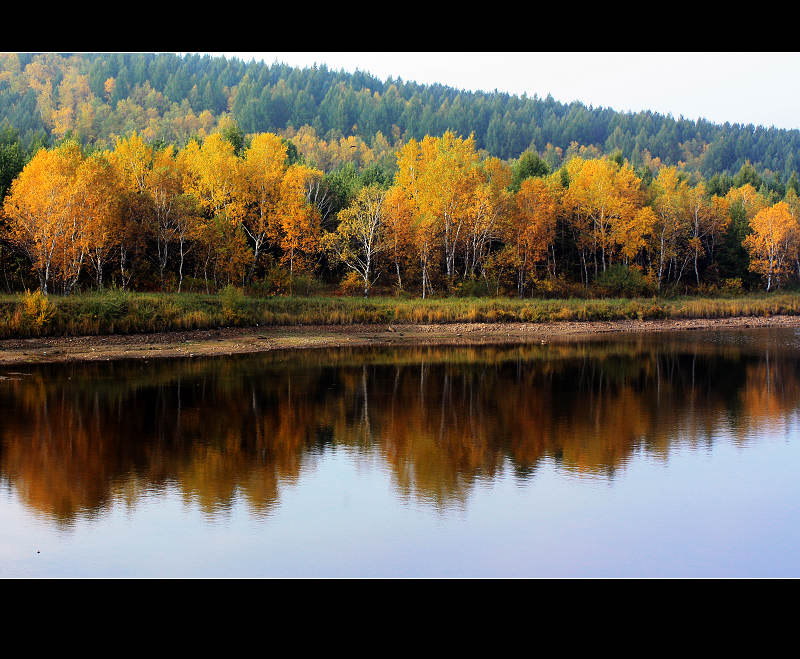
(171, 99)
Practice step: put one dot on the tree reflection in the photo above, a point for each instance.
(77, 440)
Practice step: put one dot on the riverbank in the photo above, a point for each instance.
(122, 312)
(231, 341)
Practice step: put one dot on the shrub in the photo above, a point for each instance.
(620, 280)
(233, 302)
(117, 302)
(35, 312)
(475, 288)
(193, 285)
(305, 285)
(557, 288)
(733, 286)
(707, 290)
(352, 284)
(275, 282)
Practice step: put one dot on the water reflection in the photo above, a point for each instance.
(77, 440)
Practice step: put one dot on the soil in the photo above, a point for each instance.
(230, 341)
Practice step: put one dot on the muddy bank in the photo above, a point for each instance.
(230, 341)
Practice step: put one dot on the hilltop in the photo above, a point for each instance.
(169, 99)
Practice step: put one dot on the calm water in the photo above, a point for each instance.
(647, 455)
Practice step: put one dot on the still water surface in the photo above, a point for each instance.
(646, 455)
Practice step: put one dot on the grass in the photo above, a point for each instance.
(116, 311)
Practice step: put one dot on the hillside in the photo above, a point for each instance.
(168, 98)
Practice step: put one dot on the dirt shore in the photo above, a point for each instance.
(230, 341)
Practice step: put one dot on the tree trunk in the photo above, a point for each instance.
(180, 267)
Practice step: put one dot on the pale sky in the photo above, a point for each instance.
(736, 87)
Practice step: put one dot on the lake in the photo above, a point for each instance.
(671, 454)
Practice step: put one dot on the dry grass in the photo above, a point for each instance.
(124, 312)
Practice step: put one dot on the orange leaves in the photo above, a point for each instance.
(37, 209)
(632, 231)
(774, 243)
(59, 208)
(163, 181)
(439, 177)
(750, 200)
(216, 177)
(530, 229)
(96, 186)
(132, 158)
(451, 214)
(108, 87)
(534, 219)
(601, 191)
(332, 154)
(360, 236)
(211, 194)
(263, 170)
(399, 210)
(603, 200)
(297, 225)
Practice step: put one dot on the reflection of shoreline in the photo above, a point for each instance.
(77, 439)
(230, 341)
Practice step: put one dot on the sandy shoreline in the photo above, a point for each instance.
(230, 341)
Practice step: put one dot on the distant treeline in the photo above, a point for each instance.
(171, 98)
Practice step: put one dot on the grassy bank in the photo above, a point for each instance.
(123, 312)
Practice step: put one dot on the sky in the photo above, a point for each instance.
(746, 88)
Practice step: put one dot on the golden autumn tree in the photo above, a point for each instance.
(74, 243)
(445, 182)
(708, 219)
(264, 167)
(216, 178)
(491, 202)
(749, 200)
(600, 197)
(632, 232)
(671, 228)
(398, 223)
(409, 200)
(437, 178)
(63, 211)
(187, 215)
(132, 159)
(531, 230)
(297, 228)
(99, 203)
(774, 242)
(360, 236)
(213, 175)
(164, 186)
(37, 208)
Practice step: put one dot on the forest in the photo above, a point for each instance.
(247, 211)
(193, 174)
(171, 99)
